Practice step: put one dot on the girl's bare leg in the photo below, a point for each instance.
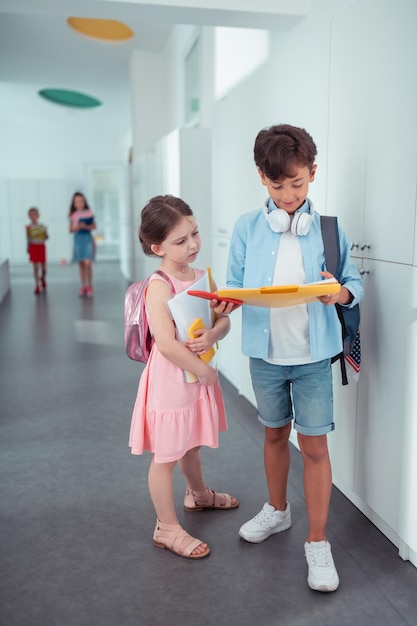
(82, 274)
(190, 465)
(162, 491)
(88, 275)
(160, 481)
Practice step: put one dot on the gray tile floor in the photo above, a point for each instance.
(76, 517)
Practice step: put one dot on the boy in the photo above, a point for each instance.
(290, 348)
(36, 235)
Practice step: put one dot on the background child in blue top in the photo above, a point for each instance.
(290, 348)
(82, 223)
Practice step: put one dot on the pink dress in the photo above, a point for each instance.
(171, 416)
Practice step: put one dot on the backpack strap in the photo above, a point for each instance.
(166, 278)
(330, 235)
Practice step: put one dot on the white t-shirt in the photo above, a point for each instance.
(289, 342)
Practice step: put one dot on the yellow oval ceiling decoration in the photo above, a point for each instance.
(109, 30)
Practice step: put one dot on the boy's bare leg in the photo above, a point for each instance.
(317, 483)
(277, 464)
(35, 273)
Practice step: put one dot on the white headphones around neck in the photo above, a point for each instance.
(280, 221)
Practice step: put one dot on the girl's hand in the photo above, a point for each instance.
(211, 378)
(202, 341)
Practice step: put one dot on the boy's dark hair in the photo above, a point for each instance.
(279, 149)
(158, 218)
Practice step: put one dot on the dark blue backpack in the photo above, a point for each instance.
(349, 317)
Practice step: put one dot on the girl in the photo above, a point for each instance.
(36, 236)
(81, 224)
(172, 418)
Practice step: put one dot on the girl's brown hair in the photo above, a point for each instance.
(158, 218)
(72, 207)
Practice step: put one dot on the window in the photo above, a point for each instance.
(238, 52)
(192, 84)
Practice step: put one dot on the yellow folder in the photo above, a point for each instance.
(196, 325)
(276, 296)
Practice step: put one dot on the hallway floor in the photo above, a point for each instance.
(77, 519)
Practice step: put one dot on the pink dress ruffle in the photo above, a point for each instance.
(171, 416)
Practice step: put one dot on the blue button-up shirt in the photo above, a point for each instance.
(252, 256)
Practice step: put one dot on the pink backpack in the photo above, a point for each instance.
(138, 339)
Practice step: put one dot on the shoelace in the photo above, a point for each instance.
(265, 518)
(320, 557)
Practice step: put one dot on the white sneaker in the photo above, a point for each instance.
(266, 523)
(322, 574)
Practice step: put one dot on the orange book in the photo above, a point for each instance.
(197, 324)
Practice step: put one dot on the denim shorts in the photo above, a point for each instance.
(300, 392)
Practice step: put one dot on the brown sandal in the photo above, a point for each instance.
(208, 499)
(174, 538)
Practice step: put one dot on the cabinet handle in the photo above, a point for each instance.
(365, 245)
(353, 245)
(362, 272)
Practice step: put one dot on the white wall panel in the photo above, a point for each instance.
(391, 167)
(348, 121)
(381, 401)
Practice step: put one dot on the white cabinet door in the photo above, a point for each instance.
(391, 167)
(348, 117)
(408, 503)
(342, 441)
(372, 160)
(381, 399)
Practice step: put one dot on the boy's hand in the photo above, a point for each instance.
(221, 307)
(343, 297)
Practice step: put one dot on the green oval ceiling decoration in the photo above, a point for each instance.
(69, 98)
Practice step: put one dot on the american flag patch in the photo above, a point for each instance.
(354, 358)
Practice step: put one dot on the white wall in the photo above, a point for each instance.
(53, 141)
(44, 157)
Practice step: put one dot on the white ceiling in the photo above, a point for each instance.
(39, 50)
